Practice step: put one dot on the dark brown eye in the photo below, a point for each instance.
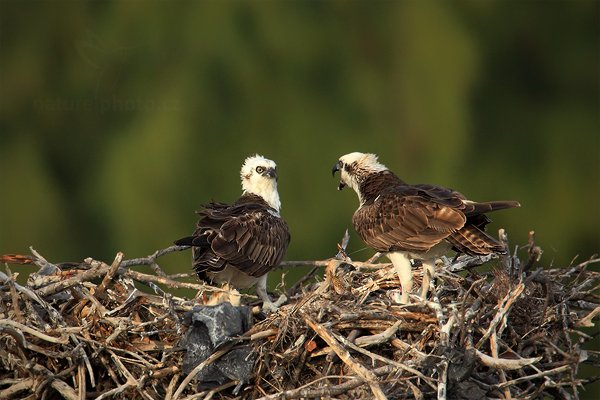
(260, 170)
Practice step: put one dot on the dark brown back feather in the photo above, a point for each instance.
(410, 223)
(247, 235)
(396, 216)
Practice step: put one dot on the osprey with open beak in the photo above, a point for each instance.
(418, 222)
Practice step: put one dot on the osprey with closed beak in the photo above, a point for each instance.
(240, 243)
(419, 222)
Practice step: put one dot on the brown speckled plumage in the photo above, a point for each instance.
(248, 235)
(396, 216)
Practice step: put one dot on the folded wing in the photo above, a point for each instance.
(249, 236)
(417, 217)
(407, 223)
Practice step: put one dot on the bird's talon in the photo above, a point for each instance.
(269, 308)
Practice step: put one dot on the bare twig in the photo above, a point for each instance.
(110, 274)
(118, 390)
(534, 376)
(345, 356)
(385, 360)
(505, 363)
(503, 308)
(75, 280)
(151, 259)
(378, 338)
(587, 320)
(86, 331)
(10, 323)
(17, 387)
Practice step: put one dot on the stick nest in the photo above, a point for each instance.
(84, 330)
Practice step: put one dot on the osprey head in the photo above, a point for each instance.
(355, 167)
(259, 177)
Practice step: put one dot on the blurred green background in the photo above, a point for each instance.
(119, 119)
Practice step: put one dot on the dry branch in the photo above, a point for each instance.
(345, 356)
(83, 330)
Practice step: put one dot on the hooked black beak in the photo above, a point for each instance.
(336, 167)
(272, 173)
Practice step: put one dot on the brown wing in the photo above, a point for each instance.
(247, 236)
(406, 222)
(254, 242)
(416, 217)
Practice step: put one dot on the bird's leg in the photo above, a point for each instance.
(404, 270)
(261, 290)
(280, 301)
(428, 276)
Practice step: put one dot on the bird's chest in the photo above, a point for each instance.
(233, 276)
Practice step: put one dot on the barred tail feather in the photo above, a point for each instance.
(472, 240)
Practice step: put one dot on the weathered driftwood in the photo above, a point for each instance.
(85, 330)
